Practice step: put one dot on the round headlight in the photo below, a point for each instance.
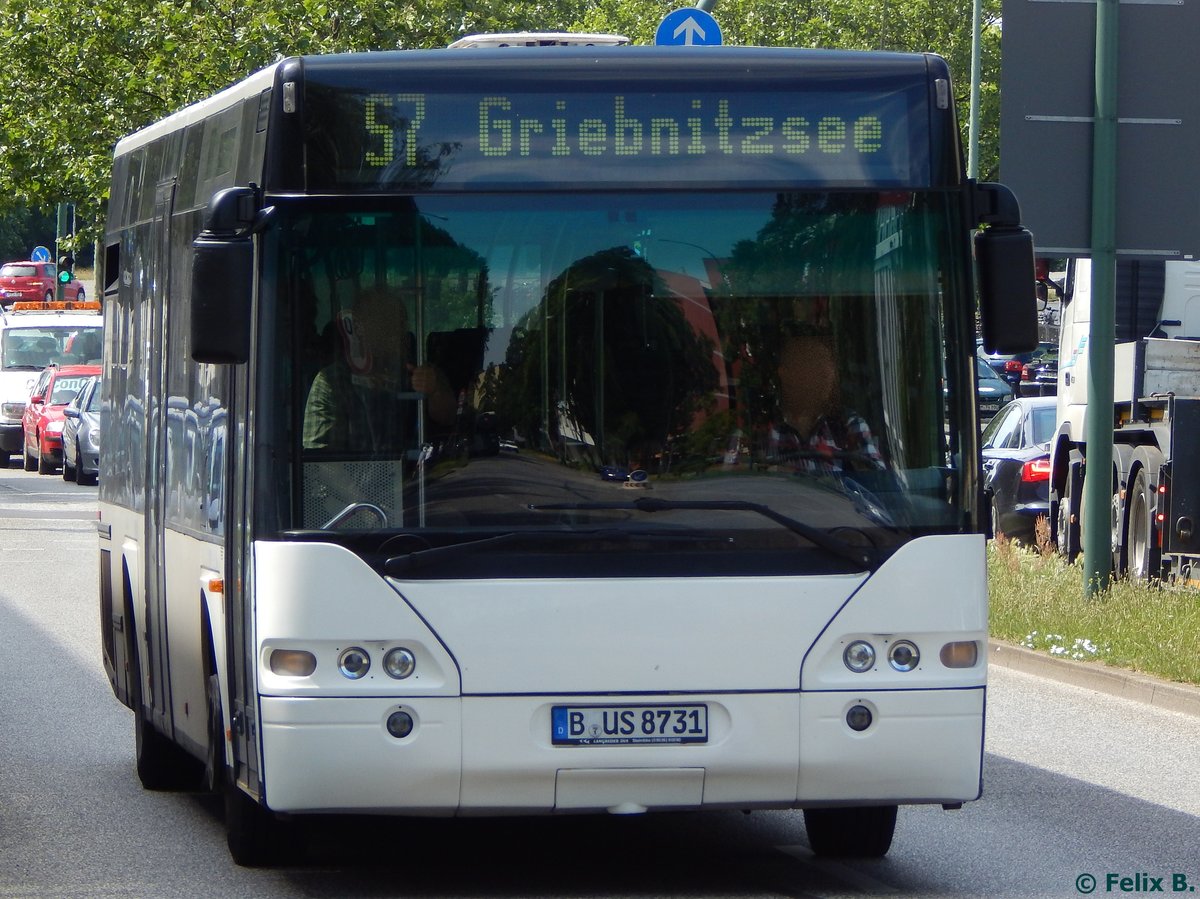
(859, 656)
(354, 662)
(904, 655)
(399, 663)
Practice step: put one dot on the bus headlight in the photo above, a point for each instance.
(354, 662)
(859, 656)
(904, 655)
(399, 663)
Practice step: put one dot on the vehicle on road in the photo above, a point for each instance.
(42, 423)
(1039, 376)
(1016, 465)
(36, 282)
(1010, 365)
(994, 392)
(30, 340)
(81, 435)
(366, 625)
(1154, 479)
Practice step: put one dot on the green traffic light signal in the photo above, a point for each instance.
(64, 277)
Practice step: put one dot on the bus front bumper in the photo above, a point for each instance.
(495, 755)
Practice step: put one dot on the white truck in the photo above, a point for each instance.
(1155, 419)
(32, 336)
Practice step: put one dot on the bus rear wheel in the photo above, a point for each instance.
(851, 832)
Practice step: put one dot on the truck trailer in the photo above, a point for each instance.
(1155, 419)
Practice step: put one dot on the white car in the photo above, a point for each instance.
(29, 341)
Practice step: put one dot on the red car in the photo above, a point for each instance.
(35, 281)
(43, 419)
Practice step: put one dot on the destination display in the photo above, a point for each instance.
(419, 139)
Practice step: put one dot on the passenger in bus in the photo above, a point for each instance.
(817, 432)
(364, 401)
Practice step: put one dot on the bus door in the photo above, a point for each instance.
(153, 581)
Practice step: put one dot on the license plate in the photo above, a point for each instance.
(989, 407)
(624, 725)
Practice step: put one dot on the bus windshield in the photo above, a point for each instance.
(611, 383)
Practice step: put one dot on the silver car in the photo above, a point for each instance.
(81, 435)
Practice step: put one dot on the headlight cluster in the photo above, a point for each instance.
(12, 410)
(904, 655)
(55, 427)
(353, 662)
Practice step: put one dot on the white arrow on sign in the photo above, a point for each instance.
(690, 29)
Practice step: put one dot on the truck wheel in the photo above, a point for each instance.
(1069, 543)
(1142, 553)
(850, 832)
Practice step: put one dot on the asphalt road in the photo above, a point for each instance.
(1078, 784)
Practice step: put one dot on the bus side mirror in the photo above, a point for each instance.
(223, 278)
(1007, 274)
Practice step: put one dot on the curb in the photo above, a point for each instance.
(1161, 694)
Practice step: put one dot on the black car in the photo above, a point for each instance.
(1010, 365)
(1016, 465)
(1039, 376)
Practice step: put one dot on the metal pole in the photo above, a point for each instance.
(976, 77)
(706, 5)
(60, 234)
(1097, 487)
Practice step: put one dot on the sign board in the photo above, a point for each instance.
(688, 27)
(1046, 121)
(40, 254)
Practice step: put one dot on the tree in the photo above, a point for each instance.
(80, 74)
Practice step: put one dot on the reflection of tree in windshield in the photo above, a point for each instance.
(606, 368)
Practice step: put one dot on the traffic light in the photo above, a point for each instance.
(66, 268)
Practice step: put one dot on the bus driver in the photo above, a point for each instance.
(355, 404)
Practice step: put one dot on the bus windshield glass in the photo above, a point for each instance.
(609, 384)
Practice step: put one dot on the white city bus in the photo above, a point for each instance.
(624, 547)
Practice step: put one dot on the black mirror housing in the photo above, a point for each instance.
(1007, 273)
(223, 278)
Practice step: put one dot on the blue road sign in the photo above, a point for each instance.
(40, 254)
(688, 27)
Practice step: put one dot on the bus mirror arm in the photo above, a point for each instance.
(1005, 268)
(234, 212)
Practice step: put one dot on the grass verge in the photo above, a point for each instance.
(1037, 601)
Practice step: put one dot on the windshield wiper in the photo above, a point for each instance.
(397, 565)
(849, 551)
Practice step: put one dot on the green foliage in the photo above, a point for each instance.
(80, 75)
(1037, 601)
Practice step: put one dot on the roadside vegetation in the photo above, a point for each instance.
(1037, 601)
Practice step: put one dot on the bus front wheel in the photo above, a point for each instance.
(161, 765)
(851, 832)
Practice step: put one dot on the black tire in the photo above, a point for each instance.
(1069, 535)
(49, 298)
(851, 832)
(1140, 548)
(254, 836)
(43, 466)
(69, 472)
(161, 765)
(82, 477)
(27, 460)
(4, 457)
(81, 296)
